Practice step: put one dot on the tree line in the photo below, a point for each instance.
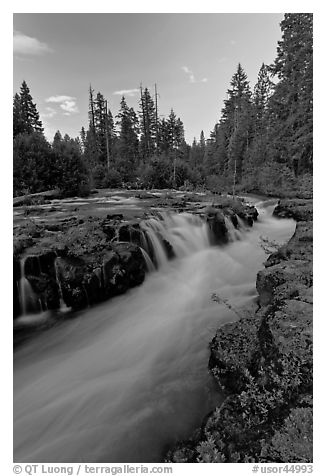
(263, 140)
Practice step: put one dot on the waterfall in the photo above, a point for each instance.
(233, 233)
(242, 225)
(149, 263)
(184, 232)
(28, 300)
(63, 305)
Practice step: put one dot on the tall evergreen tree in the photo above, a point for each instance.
(147, 125)
(25, 114)
(163, 136)
(101, 127)
(259, 147)
(71, 169)
(18, 122)
(175, 130)
(291, 104)
(128, 144)
(262, 93)
(83, 138)
(235, 130)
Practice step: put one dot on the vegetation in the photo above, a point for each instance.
(262, 142)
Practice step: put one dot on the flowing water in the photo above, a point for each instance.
(126, 378)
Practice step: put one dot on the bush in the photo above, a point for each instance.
(104, 178)
(114, 179)
(215, 183)
(277, 179)
(157, 174)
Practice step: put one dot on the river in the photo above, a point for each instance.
(125, 379)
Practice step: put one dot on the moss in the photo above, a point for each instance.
(294, 441)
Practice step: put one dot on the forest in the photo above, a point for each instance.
(262, 142)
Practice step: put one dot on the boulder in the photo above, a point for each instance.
(298, 209)
(283, 280)
(217, 226)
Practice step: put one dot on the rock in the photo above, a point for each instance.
(288, 443)
(114, 216)
(298, 209)
(300, 246)
(133, 266)
(249, 214)
(130, 232)
(84, 283)
(217, 226)
(232, 351)
(283, 280)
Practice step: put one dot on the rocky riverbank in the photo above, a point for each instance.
(263, 363)
(84, 257)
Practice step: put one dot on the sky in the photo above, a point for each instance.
(191, 58)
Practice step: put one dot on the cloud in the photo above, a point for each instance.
(233, 42)
(66, 103)
(26, 45)
(126, 92)
(191, 76)
(50, 112)
(59, 99)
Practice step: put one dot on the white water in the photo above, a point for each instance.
(27, 298)
(128, 377)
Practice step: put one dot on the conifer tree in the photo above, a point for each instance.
(262, 93)
(235, 130)
(291, 103)
(71, 169)
(25, 114)
(148, 125)
(128, 144)
(18, 122)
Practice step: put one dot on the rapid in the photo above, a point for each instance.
(124, 379)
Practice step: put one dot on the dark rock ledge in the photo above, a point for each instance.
(263, 363)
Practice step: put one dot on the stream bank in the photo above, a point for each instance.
(263, 363)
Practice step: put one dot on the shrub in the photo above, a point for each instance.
(114, 179)
(104, 178)
(215, 183)
(157, 174)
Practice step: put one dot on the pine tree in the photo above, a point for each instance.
(163, 137)
(202, 140)
(71, 169)
(83, 138)
(101, 124)
(291, 103)
(25, 114)
(236, 125)
(91, 108)
(18, 122)
(259, 147)
(98, 142)
(262, 93)
(148, 125)
(128, 144)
